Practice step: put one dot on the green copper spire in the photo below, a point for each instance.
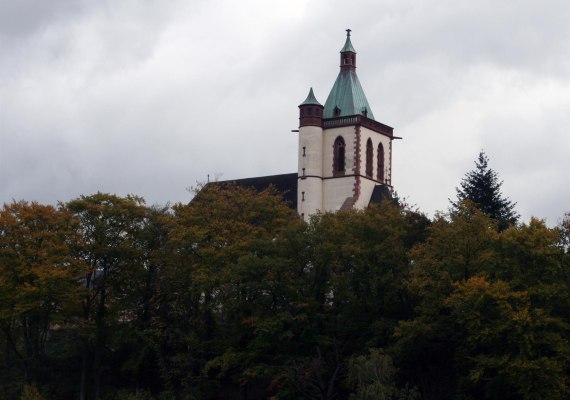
(311, 99)
(348, 43)
(346, 96)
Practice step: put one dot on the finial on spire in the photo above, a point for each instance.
(348, 44)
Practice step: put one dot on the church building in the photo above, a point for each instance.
(345, 155)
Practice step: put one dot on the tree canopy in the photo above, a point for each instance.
(483, 188)
(233, 296)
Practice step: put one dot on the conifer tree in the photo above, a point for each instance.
(483, 188)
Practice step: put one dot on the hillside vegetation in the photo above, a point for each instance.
(233, 297)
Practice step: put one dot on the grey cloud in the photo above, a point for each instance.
(150, 97)
(26, 17)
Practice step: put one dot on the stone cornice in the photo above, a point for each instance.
(359, 120)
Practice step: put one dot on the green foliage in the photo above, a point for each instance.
(136, 395)
(492, 311)
(373, 375)
(483, 188)
(508, 346)
(38, 283)
(233, 296)
(30, 392)
(564, 244)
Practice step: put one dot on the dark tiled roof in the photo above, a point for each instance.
(287, 185)
(379, 194)
(284, 183)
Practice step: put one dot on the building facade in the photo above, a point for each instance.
(345, 155)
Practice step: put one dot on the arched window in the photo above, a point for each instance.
(381, 162)
(338, 156)
(369, 158)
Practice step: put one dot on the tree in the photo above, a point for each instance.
(352, 290)
(227, 282)
(564, 243)
(38, 283)
(508, 347)
(110, 245)
(491, 319)
(483, 188)
(373, 375)
(461, 245)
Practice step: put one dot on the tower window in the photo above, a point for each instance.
(380, 172)
(304, 151)
(339, 156)
(303, 171)
(369, 158)
(336, 112)
(302, 196)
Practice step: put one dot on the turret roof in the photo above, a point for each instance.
(311, 99)
(347, 96)
(348, 44)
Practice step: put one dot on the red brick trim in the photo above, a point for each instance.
(389, 177)
(356, 169)
(369, 159)
(340, 177)
(336, 153)
(380, 164)
(310, 115)
(350, 65)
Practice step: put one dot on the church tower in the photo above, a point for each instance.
(345, 155)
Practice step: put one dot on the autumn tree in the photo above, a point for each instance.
(564, 243)
(483, 188)
(492, 311)
(110, 245)
(460, 245)
(227, 276)
(508, 347)
(38, 283)
(373, 376)
(233, 296)
(352, 291)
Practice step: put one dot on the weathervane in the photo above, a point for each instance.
(348, 32)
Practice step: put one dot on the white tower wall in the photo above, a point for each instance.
(347, 114)
(310, 183)
(366, 184)
(337, 189)
(329, 136)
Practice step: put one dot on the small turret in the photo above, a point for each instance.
(348, 55)
(311, 111)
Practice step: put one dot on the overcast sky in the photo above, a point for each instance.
(149, 97)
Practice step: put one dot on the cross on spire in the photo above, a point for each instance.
(348, 32)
